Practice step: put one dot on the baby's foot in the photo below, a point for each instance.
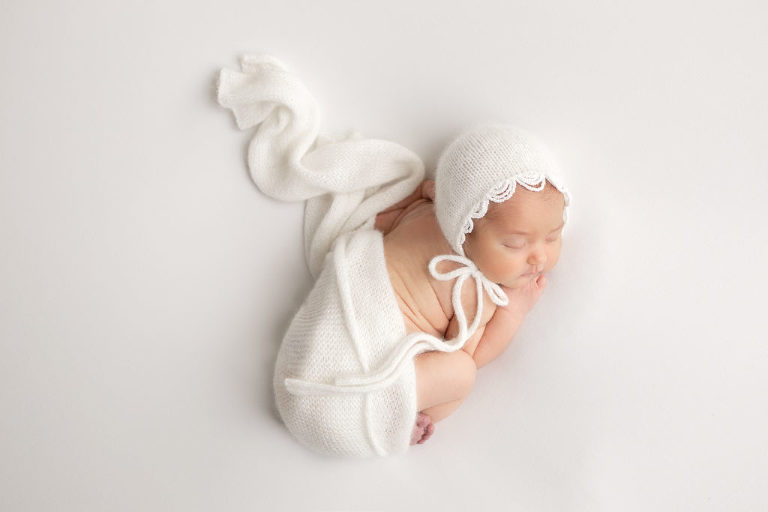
(423, 429)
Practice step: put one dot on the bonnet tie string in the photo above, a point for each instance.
(415, 342)
(469, 269)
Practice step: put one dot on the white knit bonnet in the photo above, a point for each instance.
(485, 163)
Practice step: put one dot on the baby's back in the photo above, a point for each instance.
(425, 301)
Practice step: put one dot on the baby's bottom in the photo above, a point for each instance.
(443, 381)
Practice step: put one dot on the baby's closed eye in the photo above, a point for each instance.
(515, 242)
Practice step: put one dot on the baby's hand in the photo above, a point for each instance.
(506, 320)
(521, 300)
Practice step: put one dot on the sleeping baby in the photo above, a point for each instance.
(382, 348)
(515, 244)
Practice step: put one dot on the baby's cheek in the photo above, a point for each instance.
(553, 258)
(513, 266)
(497, 264)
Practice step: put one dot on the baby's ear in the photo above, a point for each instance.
(428, 189)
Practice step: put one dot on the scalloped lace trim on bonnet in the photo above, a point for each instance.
(503, 191)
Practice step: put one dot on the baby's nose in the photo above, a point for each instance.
(537, 258)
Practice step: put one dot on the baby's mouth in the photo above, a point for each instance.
(532, 273)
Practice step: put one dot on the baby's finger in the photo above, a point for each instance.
(541, 281)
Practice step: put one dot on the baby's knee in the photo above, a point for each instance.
(443, 377)
(466, 373)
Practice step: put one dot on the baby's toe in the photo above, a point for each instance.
(422, 429)
(417, 434)
(427, 433)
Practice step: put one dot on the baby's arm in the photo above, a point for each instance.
(490, 340)
(471, 344)
(506, 320)
(498, 333)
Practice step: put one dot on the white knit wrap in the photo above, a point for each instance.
(483, 164)
(345, 182)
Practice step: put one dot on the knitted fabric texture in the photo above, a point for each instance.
(486, 163)
(345, 181)
(349, 324)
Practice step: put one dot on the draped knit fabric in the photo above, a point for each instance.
(345, 182)
(344, 378)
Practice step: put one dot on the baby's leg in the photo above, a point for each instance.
(443, 381)
(442, 411)
(443, 377)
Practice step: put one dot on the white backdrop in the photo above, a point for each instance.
(145, 283)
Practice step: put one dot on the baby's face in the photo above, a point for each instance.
(519, 239)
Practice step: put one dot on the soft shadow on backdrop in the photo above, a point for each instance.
(146, 282)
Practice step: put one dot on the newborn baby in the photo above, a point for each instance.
(382, 348)
(515, 244)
